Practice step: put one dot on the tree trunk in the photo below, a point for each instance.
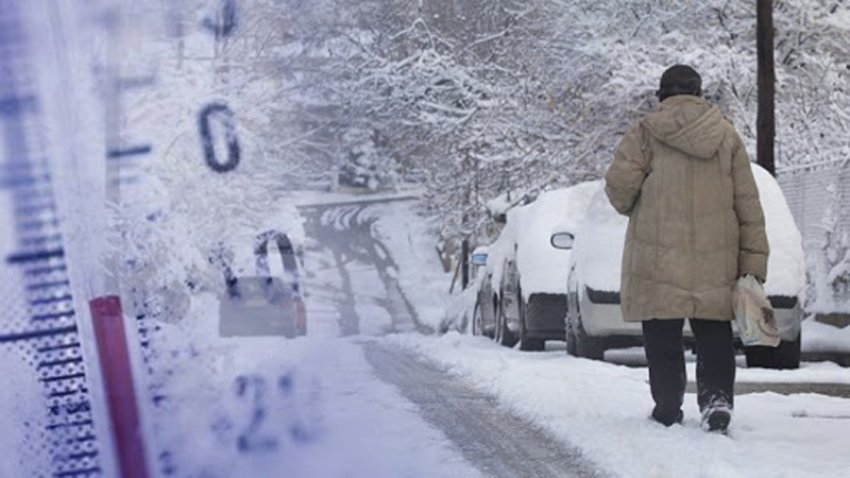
(766, 123)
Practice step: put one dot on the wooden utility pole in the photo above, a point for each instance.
(766, 123)
(464, 263)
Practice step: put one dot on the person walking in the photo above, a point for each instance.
(682, 176)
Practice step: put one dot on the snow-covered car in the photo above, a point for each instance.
(594, 319)
(521, 296)
(489, 263)
(263, 290)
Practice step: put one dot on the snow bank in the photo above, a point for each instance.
(599, 245)
(542, 267)
(820, 337)
(458, 315)
(808, 373)
(604, 409)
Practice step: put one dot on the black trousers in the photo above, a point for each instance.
(667, 377)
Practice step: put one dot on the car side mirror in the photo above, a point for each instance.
(479, 259)
(562, 240)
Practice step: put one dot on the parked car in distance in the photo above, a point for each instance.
(521, 295)
(481, 325)
(263, 290)
(594, 319)
(492, 262)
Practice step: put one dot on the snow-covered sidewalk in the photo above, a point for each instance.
(603, 409)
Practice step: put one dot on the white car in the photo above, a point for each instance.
(522, 297)
(594, 318)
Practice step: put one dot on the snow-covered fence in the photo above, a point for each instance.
(819, 198)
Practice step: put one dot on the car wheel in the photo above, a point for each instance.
(525, 342)
(569, 333)
(572, 346)
(784, 356)
(477, 320)
(586, 346)
(504, 336)
(497, 324)
(488, 330)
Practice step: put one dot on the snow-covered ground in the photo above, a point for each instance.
(413, 247)
(604, 409)
(403, 241)
(309, 407)
(315, 407)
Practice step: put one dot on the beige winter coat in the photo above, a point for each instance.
(695, 221)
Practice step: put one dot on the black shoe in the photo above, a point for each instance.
(716, 418)
(667, 419)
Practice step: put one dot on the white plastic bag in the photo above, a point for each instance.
(753, 313)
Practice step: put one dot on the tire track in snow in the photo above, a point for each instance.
(347, 232)
(489, 437)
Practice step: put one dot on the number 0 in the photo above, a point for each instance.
(233, 152)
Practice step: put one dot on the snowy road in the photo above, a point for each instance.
(498, 443)
(354, 277)
(354, 287)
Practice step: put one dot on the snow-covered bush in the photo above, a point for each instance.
(830, 259)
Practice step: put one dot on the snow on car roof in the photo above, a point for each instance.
(786, 265)
(598, 248)
(542, 267)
